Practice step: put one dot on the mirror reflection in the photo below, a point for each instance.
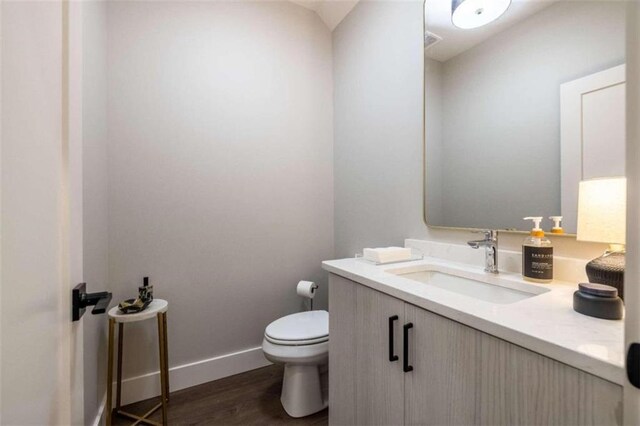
(523, 100)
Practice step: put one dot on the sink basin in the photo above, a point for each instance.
(490, 289)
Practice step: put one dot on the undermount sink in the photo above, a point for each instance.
(494, 289)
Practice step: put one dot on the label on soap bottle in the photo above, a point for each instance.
(537, 262)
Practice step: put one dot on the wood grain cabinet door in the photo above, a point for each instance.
(520, 387)
(365, 386)
(342, 351)
(379, 381)
(441, 389)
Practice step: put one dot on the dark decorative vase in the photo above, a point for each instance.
(608, 269)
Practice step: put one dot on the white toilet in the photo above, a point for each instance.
(300, 342)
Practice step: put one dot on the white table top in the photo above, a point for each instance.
(155, 307)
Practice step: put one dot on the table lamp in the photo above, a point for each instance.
(602, 219)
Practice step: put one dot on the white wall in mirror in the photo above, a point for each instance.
(492, 123)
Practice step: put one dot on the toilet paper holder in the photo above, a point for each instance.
(315, 287)
(307, 289)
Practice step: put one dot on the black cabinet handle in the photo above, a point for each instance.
(405, 348)
(392, 356)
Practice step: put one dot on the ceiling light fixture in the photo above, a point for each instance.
(467, 14)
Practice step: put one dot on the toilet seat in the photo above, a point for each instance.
(296, 342)
(302, 328)
(299, 355)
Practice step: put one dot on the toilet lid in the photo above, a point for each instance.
(311, 325)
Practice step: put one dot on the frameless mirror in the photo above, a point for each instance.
(519, 109)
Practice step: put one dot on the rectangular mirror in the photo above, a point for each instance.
(520, 105)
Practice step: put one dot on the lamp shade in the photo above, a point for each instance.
(602, 205)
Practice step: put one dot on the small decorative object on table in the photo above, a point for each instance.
(599, 301)
(145, 296)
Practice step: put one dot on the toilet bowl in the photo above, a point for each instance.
(300, 342)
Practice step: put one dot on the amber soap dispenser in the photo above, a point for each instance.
(537, 254)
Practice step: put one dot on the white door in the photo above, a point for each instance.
(41, 216)
(592, 110)
(632, 273)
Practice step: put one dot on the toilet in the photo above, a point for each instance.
(300, 342)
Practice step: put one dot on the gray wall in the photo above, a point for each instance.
(95, 203)
(378, 127)
(433, 140)
(501, 113)
(220, 167)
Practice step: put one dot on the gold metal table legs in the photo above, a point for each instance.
(164, 375)
(112, 324)
(164, 364)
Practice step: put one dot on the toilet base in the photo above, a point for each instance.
(302, 390)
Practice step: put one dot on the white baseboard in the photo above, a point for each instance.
(100, 419)
(196, 373)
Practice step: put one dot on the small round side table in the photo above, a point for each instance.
(158, 309)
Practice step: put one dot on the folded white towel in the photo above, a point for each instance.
(387, 254)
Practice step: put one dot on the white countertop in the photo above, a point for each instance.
(545, 323)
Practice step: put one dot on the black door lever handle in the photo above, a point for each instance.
(103, 299)
(80, 299)
(633, 364)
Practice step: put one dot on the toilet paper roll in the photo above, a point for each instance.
(306, 289)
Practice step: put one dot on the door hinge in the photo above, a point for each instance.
(633, 364)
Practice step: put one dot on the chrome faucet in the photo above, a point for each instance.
(490, 244)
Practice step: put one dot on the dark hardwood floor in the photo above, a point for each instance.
(251, 398)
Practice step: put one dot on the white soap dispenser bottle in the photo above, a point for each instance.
(557, 226)
(537, 254)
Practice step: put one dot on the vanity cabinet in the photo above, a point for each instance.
(455, 375)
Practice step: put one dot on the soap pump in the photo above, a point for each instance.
(557, 227)
(537, 254)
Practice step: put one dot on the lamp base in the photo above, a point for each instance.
(608, 269)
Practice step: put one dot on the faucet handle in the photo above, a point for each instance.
(489, 234)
